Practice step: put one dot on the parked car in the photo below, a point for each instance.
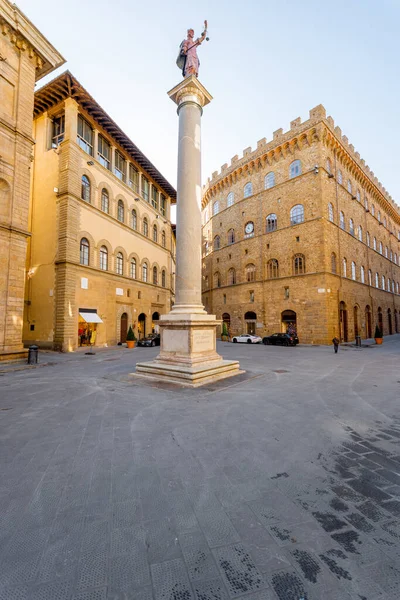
(151, 340)
(246, 338)
(280, 339)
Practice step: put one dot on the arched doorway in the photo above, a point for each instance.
(390, 326)
(356, 318)
(368, 321)
(380, 319)
(226, 320)
(154, 326)
(142, 325)
(289, 321)
(344, 335)
(396, 322)
(124, 327)
(251, 319)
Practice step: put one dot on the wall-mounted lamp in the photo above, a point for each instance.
(90, 163)
(157, 217)
(165, 222)
(136, 199)
(330, 176)
(316, 170)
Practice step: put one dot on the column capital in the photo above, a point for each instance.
(190, 90)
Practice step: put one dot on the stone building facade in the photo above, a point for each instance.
(101, 256)
(25, 57)
(301, 231)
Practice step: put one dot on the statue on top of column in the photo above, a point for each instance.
(187, 60)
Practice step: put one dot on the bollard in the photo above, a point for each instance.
(33, 355)
(358, 340)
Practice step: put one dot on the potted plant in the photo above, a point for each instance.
(225, 332)
(378, 335)
(130, 338)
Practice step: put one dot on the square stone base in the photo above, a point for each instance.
(188, 353)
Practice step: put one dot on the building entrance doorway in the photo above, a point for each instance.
(124, 327)
(356, 317)
(380, 319)
(251, 320)
(142, 326)
(396, 323)
(154, 326)
(390, 326)
(368, 321)
(289, 321)
(344, 334)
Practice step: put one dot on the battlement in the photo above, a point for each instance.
(297, 127)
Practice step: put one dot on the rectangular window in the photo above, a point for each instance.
(104, 152)
(85, 135)
(154, 197)
(134, 178)
(163, 205)
(58, 131)
(120, 166)
(251, 296)
(145, 188)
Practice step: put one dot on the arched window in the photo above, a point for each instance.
(388, 285)
(391, 255)
(351, 227)
(353, 270)
(397, 287)
(369, 276)
(373, 210)
(395, 258)
(104, 258)
(358, 196)
(163, 278)
(330, 212)
(342, 221)
(273, 269)
(216, 207)
(383, 282)
(85, 189)
(272, 222)
(340, 177)
(379, 216)
(105, 201)
(248, 190)
(134, 219)
(366, 203)
(299, 264)
(163, 239)
(344, 267)
(329, 166)
(333, 262)
(349, 186)
(133, 268)
(119, 264)
(295, 169)
(155, 276)
(250, 272)
(360, 233)
(384, 221)
(230, 199)
(386, 252)
(231, 236)
(145, 227)
(376, 280)
(362, 274)
(217, 279)
(297, 214)
(269, 180)
(84, 251)
(144, 272)
(217, 242)
(374, 243)
(380, 248)
(121, 211)
(155, 233)
(231, 276)
(368, 240)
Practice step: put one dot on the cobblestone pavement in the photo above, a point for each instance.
(280, 484)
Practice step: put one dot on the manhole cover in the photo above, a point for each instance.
(281, 371)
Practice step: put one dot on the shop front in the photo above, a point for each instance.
(87, 326)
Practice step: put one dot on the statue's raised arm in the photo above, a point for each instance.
(187, 60)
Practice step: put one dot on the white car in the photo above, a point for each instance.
(246, 338)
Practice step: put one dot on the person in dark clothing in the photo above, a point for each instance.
(335, 342)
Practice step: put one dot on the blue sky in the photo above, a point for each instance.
(267, 62)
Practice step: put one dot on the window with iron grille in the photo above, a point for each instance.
(84, 251)
(105, 201)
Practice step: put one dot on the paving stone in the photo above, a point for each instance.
(198, 557)
(92, 570)
(98, 594)
(287, 585)
(238, 570)
(217, 527)
(162, 541)
(210, 590)
(170, 581)
(129, 571)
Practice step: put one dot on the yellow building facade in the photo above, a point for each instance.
(101, 255)
(299, 231)
(25, 57)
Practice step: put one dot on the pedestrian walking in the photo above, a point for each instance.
(335, 343)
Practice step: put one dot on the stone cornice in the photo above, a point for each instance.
(27, 38)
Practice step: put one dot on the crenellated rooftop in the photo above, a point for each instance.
(297, 129)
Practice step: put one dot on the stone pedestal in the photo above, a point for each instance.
(188, 334)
